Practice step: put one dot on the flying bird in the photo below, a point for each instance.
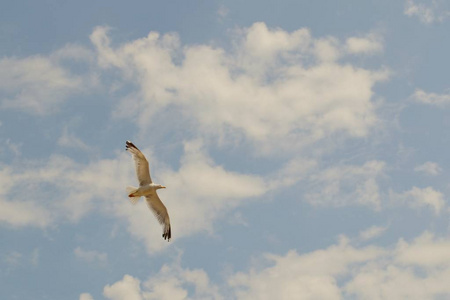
(147, 189)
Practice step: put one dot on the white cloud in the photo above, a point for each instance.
(37, 84)
(371, 233)
(429, 168)
(424, 13)
(18, 213)
(69, 140)
(394, 282)
(370, 44)
(86, 296)
(90, 255)
(260, 48)
(308, 276)
(172, 282)
(439, 100)
(419, 269)
(292, 172)
(418, 198)
(425, 251)
(427, 12)
(347, 184)
(61, 190)
(43, 193)
(197, 194)
(351, 184)
(326, 50)
(23, 213)
(126, 289)
(274, 88)
(31, 205)
(73, 52)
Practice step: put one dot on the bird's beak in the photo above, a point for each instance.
(163, 187)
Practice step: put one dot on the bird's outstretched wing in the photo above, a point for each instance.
(141, 164)
(160, 211)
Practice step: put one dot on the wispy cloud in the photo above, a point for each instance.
(202, 191)
(90, 255)
(347, 185)
(427, 11)
(68, 139)
(35, 257)
(19, 213)
(429, 168)
(431, 98)
(371, 233)
(421, 197)
(37, 84)
(13, 258)
(222, 12)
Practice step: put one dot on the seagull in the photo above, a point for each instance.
(147, 189)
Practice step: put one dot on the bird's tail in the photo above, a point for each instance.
(130, 191)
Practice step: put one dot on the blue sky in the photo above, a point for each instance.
(303, 145)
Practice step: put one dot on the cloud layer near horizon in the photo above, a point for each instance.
(415, 270)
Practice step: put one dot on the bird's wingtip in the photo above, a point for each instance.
(129, 144)
(167, 235)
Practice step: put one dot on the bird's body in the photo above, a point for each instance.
(144, 190)
(148, 189)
